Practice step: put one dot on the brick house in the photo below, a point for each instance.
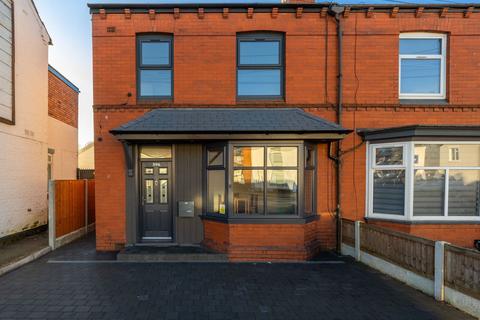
(62, 126)
(251, 128)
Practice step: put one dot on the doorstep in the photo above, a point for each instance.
(172, 253)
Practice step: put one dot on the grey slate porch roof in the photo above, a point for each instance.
(228, 120)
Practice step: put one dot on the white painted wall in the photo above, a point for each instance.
(86, 157)
(63, 139)
(23, 146)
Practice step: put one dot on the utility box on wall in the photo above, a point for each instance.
(186, 209)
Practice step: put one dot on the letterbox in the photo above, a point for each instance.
(186, 209)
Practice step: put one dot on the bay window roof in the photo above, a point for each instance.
(421, 131)
(191, 123)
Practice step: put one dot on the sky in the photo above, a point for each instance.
(68, 23)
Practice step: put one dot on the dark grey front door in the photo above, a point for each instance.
(156, 201)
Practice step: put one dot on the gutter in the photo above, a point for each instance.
(335, 11)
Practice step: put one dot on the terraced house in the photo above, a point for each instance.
(252, 128)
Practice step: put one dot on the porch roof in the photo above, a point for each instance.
(195, 123)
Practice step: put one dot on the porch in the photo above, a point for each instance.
(242, 182)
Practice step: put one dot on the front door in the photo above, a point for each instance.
(156, 201)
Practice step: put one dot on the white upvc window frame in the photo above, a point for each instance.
(410, 167)
(451, 154)
(372, 166)
(442, 57)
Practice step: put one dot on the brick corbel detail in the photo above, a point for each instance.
(419, 12)
(201, 13)
(151, 14)
(323, 13)
(444, 12)
(299, 12)
(370, 12)
(225, 13)
(468, 13)
(274, 13)
(346, 13)
(394, 12)
(176, 13)
(103, 14)
(128, 13)
(250, 13)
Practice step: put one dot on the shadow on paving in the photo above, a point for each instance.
(105, 289)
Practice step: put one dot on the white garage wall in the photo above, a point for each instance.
(23, 146)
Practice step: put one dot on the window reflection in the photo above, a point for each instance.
(155, 152)
(282, 191)
(282, 156)
(429, 192)
(464, 193)
(216, 191)
(248, 156)
(248, 187)
(447, 155)
(389, 156)
(389, 191)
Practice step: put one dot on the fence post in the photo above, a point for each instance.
(357, 240)
(85, 181)
(439, 284)
(51, 214)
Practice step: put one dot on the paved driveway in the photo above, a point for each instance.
(75, 282)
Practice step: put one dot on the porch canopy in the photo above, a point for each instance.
(229, 123)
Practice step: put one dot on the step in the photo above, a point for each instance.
(169, 254)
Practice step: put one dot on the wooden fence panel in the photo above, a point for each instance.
(462, 270)
(91, 201)
(348, 232)
(69, 206)
(409, 252)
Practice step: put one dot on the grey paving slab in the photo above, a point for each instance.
(16, 250)
(105, 289)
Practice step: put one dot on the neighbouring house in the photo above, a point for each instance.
(38, 134)
(252, 128)
(62, 127)
(86, 160)
(23, 118)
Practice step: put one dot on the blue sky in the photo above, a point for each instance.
(68, 22)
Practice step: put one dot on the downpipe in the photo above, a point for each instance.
(336, 12)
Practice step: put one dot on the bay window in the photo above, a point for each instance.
(424, 181)
(267, 180)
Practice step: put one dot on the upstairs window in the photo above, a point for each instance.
(422, 66)
(260, 66)
(155, 66)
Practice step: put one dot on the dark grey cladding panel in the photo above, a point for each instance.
(229, 120)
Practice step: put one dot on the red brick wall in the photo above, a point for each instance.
(62, 101)
(204, 73)
(260, 242)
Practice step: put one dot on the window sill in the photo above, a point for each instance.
(158, 100)
(272, 101)
(413, 222)
(261, 220)
(441, 102)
